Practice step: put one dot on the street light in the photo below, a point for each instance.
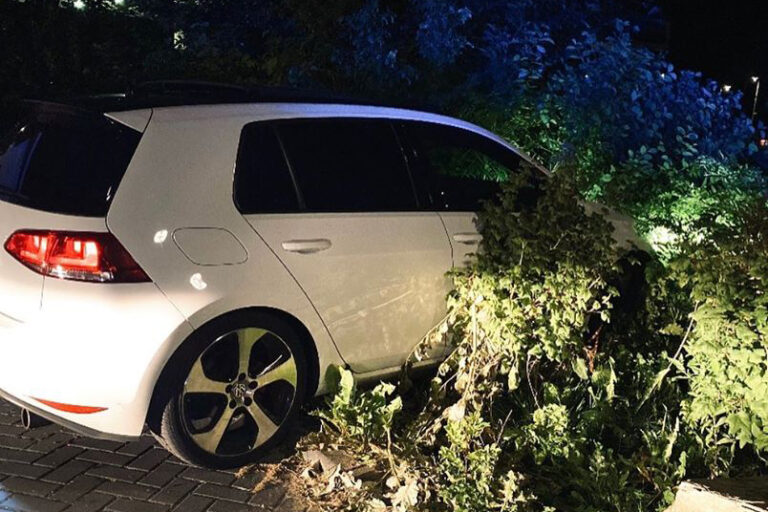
(756, 81)
(727, 88)
(79, 4)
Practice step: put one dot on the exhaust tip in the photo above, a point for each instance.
(32, 421)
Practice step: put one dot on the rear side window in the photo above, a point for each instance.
(458, 168)
(63, 162)
(263, 183)
(348, 165)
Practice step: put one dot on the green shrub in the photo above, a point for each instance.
(727, 351)
(561, 393)
(362, 417)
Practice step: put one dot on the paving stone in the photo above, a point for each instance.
(92, 502)
(59, 456)
(101, 457)
(116, 473)
(223, 493)
(249, 480)
(21, 485)
(174, 491)
(124, 505)
(228, 506)
(138, 447)
(207, 476)
(126, 490)
(10, 418)
(150, 459)
(175, 460)
(50, 469)
(19, 503)
(43, 432)
(162, 474)
(18, 455)
(78, 487)
(68, 471)
(16, 442)
(268, 497)
(51, 443)
(11, 430)
(98, 444)
(194, 504)
(22, 469)
(7, 419)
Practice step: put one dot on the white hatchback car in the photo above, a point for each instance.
(198, 268)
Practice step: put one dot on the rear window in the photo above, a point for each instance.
(64, 162)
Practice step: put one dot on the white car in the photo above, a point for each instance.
(198, 268)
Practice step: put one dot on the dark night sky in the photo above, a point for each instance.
(727, 40)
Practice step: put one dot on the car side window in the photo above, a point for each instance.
(459, 169)
(348, 165)
(263, 182)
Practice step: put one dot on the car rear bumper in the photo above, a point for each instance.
(91, 345)
(71, 425)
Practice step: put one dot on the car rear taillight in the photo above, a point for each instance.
(96, 257)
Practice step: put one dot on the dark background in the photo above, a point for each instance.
(726, 40)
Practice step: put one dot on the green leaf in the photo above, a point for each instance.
(580, 368)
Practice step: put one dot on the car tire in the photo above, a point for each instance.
(211, 414)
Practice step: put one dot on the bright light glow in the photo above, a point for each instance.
(727, 88)
(161, 236)
(78, 4)
(119, 2)
(197, 282)
(96, 257)
(661, 237)
(178, 40)
(755, 79)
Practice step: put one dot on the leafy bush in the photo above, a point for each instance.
(555, 395)
(727, 351)
(365, 418)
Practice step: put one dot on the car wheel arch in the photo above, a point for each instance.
(160, 388)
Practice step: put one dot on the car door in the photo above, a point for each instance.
(458, 170)
(334, 200)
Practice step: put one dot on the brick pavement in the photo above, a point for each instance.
(50, 469)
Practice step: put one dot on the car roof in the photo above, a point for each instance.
(186, 100)
(255, 112)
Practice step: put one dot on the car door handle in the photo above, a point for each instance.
(468, 238)
(307, 246)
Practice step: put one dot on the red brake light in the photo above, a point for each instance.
(97, 257)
